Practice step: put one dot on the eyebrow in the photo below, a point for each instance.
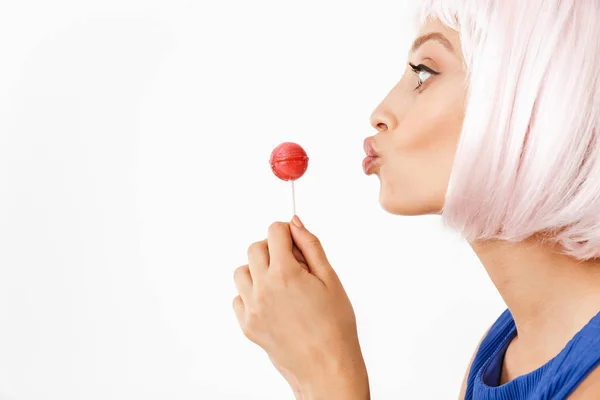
(431, 36)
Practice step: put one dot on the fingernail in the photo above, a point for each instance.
(296, 221)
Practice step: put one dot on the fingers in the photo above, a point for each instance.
(310, 246)
(258, 259)
(298, 255)
(239, 309)
(279, 241)
(243, 282)
(312, 249)
(300, 258)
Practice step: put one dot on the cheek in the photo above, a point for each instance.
(425, 142)
(433, 125)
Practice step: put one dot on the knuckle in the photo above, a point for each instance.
(252, 325)
(284, 277)
(249, 331)
(256, 247)
(276, 226)
(314, 240)
(253, 314)
(237, 302)
(252, 248)
(262, 299)
(239, 271)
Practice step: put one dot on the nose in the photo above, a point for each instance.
(383, 119)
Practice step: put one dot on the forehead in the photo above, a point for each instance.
(436, 26)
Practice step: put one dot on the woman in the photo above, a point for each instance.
(499, 111)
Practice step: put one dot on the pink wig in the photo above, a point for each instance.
(528, 159)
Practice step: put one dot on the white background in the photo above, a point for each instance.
(134, 146)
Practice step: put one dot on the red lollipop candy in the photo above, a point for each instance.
(289, 162)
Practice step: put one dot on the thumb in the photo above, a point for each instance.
(311, 248)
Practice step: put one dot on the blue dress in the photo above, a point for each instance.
(555, 380)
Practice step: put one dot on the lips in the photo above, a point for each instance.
(369, 164)
(372, 160)
(368, 146)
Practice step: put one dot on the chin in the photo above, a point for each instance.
(399, 202)
(397, 208)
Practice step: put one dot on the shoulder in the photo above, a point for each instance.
(463, 388)
(589, 388)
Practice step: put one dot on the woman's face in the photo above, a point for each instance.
(418, 125)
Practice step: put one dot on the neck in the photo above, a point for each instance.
(549, 295)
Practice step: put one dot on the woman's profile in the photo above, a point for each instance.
(494, 126)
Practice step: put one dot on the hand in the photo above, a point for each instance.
(292, 304)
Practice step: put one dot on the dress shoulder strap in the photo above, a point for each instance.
(580, 357)
(500, 330)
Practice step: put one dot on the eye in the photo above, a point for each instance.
(423, 73)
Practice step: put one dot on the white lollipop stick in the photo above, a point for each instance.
(293, 199)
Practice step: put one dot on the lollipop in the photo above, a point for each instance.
(289, 162)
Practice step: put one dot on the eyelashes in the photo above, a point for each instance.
(423, 73)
